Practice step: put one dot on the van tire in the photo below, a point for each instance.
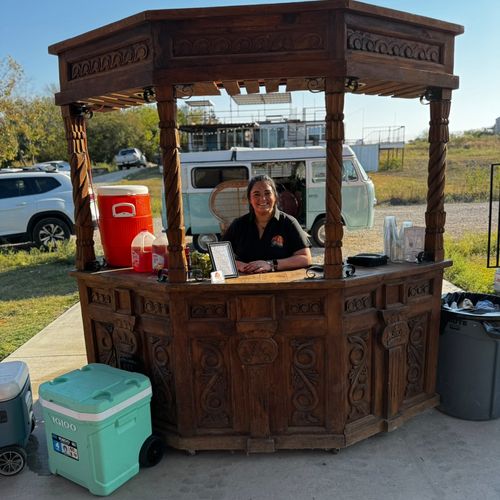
(200, 241)
(318, 231)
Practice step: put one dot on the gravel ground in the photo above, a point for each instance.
(460, 218)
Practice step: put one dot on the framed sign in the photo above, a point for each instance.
(222, 257)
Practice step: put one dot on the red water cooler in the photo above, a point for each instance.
(124, 211)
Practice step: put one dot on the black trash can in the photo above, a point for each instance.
(468, 374)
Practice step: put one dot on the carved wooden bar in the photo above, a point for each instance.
(256, 364)
(273, 361)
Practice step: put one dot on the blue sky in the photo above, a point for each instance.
(30, 26)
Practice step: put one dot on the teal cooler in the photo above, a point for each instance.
(96, 420)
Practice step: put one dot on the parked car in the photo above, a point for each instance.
(130, 157)
(54, 166)
(37, 207)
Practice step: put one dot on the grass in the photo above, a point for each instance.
(35, 289)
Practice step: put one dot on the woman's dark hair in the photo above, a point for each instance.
(261, 178)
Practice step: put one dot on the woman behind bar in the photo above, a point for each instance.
(266, 239)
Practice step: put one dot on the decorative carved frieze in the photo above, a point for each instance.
(392, 46)
(415, 356)
(359, 303)
(118, 58)
(396, 330)
(303, 308)
(156, 308)
(100, 296)
(164, 404)
(305, 383)
(254, 43)
(419, 290)
(358, 397)
(212, 380)
(204, 311)
(257, 351)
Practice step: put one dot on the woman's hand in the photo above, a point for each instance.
(257, 266)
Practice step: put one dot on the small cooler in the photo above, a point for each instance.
(98, 426)
(16, 416)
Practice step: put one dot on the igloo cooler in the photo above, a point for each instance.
(16, 416)
(98, 426)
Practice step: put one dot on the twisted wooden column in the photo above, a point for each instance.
(334, 100)
(435, 215)
(76, 135)
(169, 144)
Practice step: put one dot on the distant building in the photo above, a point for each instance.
(496, 128)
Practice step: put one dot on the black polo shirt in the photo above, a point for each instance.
(282, 237)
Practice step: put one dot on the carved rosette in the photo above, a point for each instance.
(119, 58)
(100, 296)
(257, 351)
(415, 356)
(419, 290)
(356, 304)
(305, 308)
(164, 404)
(204, 311)
(359, 377)
(396, 331)
(156, 308)
(216, 45)
(105, 349)
(392, 47)
(214, 385)
(305, 382)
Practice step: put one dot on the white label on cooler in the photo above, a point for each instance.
(65, 447)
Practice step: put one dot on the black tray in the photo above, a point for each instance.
(368, 259)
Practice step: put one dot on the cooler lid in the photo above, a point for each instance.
(94, 389)
(13, 376)
(121, 190)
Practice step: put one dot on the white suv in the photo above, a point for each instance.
(36, 207)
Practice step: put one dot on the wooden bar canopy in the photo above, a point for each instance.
(346, 358)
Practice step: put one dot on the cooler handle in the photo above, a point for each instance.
(123, 214)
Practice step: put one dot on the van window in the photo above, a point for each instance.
(318, 171)
(209, 177)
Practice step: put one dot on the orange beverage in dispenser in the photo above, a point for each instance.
(160, 253)
(142, 252)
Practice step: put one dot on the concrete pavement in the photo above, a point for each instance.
(433, 456)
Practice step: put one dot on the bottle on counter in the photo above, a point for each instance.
(142, 252)
(390, 234)
(160, 252)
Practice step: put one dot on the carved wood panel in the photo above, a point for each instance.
(359, 375)
(100, 296)
(307, 382)
(420, 289)
(104, 346)
(161, 372)
(416, 355)
(359, 303)
(211, 383)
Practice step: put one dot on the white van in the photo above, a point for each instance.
(299, 174)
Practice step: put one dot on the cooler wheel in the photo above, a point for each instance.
(151, 452)
(12, 460)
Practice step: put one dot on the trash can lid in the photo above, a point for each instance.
(121, 190)
(13, 376)
(94, 388)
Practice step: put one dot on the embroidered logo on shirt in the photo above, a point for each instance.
(277, 241)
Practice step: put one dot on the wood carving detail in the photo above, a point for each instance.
(257, 351)
(105, 349)
(164, 404)
(396, 331)
(201, 311)
(124, 56)
(260, 43)
(156, 308)
(359, 376)
(305, 382)
(214, 385)
(391, 46)
(356, 304)
(419, 290)
(415, 356)
(100, 296)
(305, 309)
